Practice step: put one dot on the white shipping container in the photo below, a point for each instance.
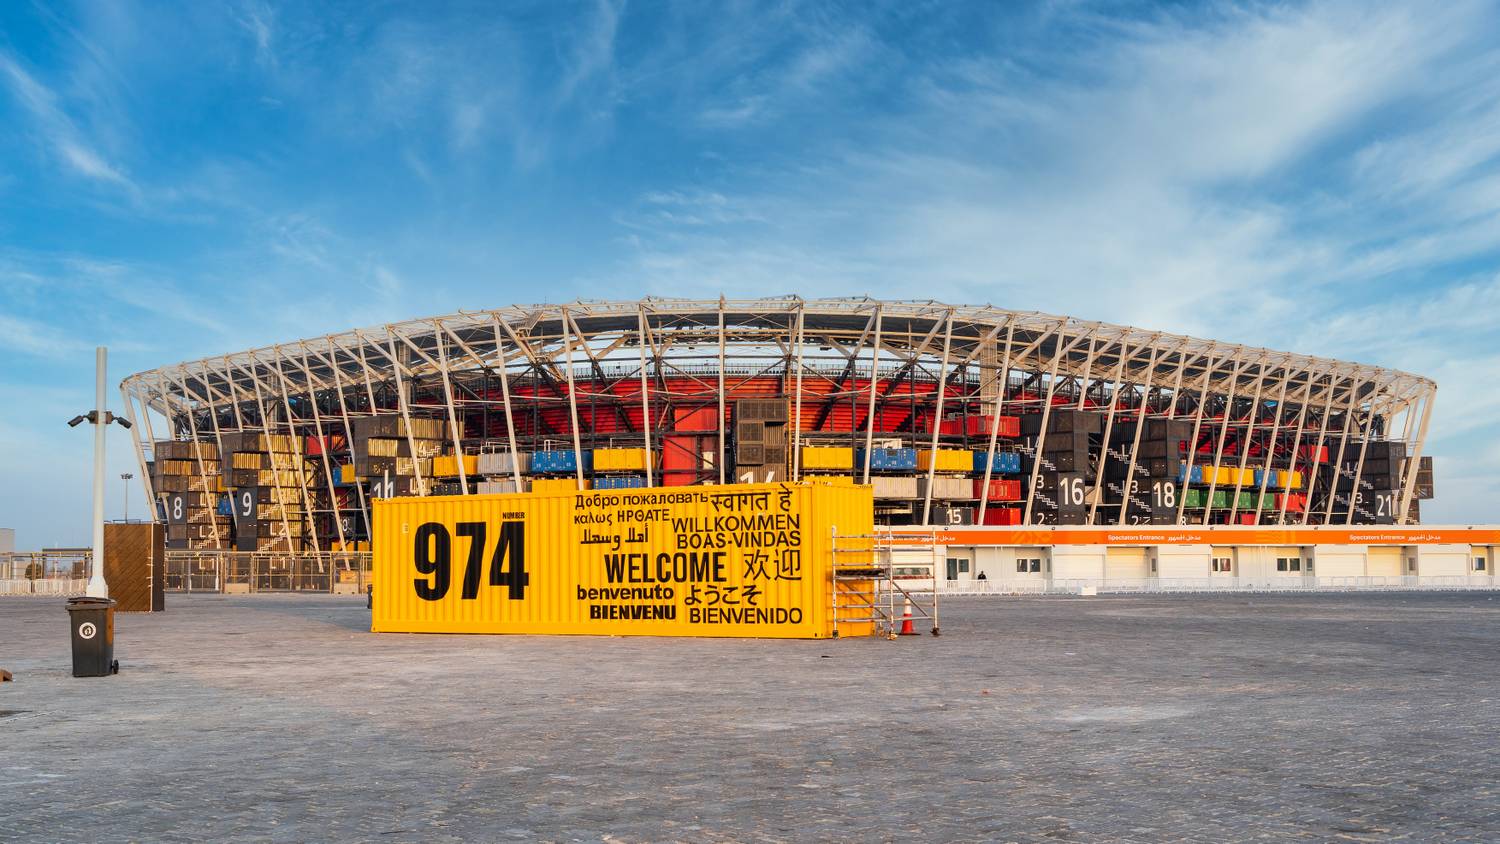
(946, 488)
(893, 487)
(503, 462)
(504, 487)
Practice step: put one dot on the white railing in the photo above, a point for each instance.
(995, 587)
(66, 587)
(1158, 585)
(43, 572)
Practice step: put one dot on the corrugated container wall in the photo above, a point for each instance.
(743, 560)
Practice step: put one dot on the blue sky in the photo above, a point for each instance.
(178, 180)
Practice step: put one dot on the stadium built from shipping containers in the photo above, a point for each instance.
(954, 415)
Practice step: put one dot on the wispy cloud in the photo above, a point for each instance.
(59, 304)
(821, 60)
(34, 337)
(593, 50)
(1243, 173)
(56, 130)
(259, 22)
(1143, 174)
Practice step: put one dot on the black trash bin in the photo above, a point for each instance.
(93, 623)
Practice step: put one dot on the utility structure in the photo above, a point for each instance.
(954, 414)
(99, 417)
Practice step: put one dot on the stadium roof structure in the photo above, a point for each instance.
(849, 340)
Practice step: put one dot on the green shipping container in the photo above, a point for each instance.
(1196, 497)
(1247, 501)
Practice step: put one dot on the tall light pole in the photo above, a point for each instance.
(98, 417)
(126, 476)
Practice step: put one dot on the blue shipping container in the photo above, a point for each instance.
(888, 459)
(1197, 474)
(620, 482)
(224, 507)
(1006, 462)
(560, 462)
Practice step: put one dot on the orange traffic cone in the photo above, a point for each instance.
(906, 627)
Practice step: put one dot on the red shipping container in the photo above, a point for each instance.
(1002, 516)
(1313, 453)
(689, 453)
(1000, 490)
(1247, 519)
(1010, 426)
(1295, 502)
(980, 426)
(314, 445)
(695, 419)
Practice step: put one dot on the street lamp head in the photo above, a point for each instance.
(125, 476)
(77, 420)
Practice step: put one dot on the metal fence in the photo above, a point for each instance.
(266, 571)
(66, 573)
(44, 573)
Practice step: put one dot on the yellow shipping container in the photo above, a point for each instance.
(829, 480)
(244, 460)
(346, 473)
(741, 560)
(555, 486)
(446, 465)
(827, 457)
(1293, 479)
(947, 460)
(620, 460)
(1228, 476)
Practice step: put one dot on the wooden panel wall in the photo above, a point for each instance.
(135, 566)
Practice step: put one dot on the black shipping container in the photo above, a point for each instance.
(1156, 429)
(248, 538)
(1063, 422)
(1159, 449)
(749, 431)
(1069, 490)
(1065, 441)
(764, 410)
(945, 515)
(1060, 461)
(1384, 450)
(370, 467)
